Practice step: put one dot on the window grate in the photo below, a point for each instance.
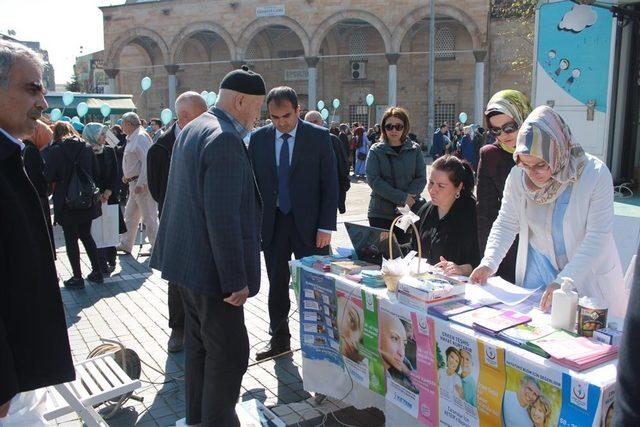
(359, 113)
(445, 43)
(357, 45)
(445, 113)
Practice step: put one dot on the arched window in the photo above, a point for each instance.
(445, 43)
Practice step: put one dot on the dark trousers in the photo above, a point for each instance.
(80, 231)
(384, 223)
(286, 241)
(216, 358)
(176, 307)
(107, 256)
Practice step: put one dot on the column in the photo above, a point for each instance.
(392, 59)
(312, 64)
(172, 81)
(481, 56)
(111, 73)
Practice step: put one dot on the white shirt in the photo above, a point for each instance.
(134, 161)
(514, 415)
(12, 139)
(448, 383)
(291, 142)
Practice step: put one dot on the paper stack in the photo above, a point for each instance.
(579, 353)
(446, 309)
(347, 267)
(505, 319)
(372, 278)
(420, 292)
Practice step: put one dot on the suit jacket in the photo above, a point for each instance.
(209, 235)
(158, 162)
(343, 173)
(313, 180)
(31, 312)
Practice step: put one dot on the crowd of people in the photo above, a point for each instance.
(522, 200)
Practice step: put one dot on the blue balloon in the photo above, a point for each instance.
(75, 119)
(55, 114)
(82, 109)
(66, 119)
(320, 105)
(67, 98)
(336, 103)
(105, 110)
(78, 126)
(463, 118)
(166, 116)
(211, 98)
(145, 83)
(324, 113)
(370, 100)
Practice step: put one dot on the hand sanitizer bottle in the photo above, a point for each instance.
(564, 306)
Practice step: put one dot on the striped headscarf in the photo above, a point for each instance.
(545, 135)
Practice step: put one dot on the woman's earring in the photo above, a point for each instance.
(458, 195)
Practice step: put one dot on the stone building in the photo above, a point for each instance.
(324, 49)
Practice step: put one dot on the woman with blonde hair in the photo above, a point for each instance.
(540, 412)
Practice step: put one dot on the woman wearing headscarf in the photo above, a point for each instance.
(560, 201)
(503, 117)
(107, 181)
(362, 149)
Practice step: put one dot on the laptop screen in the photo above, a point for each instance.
(371, 244)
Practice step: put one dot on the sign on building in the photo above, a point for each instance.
(296, 74)
(264, 11)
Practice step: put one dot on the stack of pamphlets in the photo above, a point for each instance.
(347, 267)
(523, 335)
(421, 291)
(470, 317)
(578, 353)
(372, 278)
(446, 309)
(559, 335)
(319, 262)
(504, 320)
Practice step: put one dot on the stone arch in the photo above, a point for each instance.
(326, 26)
(148, 39)
(205, 26)
(451, 11)
(261, 24)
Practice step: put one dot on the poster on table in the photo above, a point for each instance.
(608, 407)
(491, 384)
(398, 350)
(458, 371)
(351, 323)
(319, 337)
(533, 395)
(426, 381)
(369, 347)
(579, 402)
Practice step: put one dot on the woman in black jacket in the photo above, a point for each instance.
(76, 223)
(108, 181)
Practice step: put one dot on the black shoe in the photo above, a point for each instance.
(74, 283)
(273, 350)
(96, 277)
(176, 340)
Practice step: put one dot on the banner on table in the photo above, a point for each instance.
(458, 370)
(369, 348)
(104, 229)
(398, 349)
(491, 384)
(532, 394)
(579, 402)
(608, 397)
(425, 378)
(319, 337)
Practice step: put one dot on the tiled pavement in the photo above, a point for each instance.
(131, 307)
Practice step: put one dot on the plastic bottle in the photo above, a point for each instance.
(564, 306)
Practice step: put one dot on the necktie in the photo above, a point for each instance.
(284, 199)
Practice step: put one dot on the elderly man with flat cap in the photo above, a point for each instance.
(209, 244)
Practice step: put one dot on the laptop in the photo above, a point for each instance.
(370, 243)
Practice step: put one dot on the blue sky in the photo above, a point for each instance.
(60, 26)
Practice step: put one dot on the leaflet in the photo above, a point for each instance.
(500, 289)
(491, 384)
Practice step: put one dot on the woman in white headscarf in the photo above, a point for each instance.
(560, 201)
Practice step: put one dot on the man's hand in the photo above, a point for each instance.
(547, 297)
(323, 239)
(480, 275)
(138, 189)
(238, 297)
(4, 409)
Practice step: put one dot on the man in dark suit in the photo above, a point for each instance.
(189, 105)
(209, 244)
(296, 172)
(34, 346)
(342, 163)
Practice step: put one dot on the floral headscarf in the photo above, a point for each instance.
(511, 102)
(545, 135)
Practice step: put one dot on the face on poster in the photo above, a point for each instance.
(458, 370)
(350, 324)
(532, 396)
(397, 348)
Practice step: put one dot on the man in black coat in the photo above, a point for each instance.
(296, 172)
(31, 311)
(189, 105)
(341, 160)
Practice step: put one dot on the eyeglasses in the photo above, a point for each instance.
(389, 127)
(510, 127)
(538, 167)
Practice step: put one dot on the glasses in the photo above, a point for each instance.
(510, 127)
(389, 127)
(538, 167)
